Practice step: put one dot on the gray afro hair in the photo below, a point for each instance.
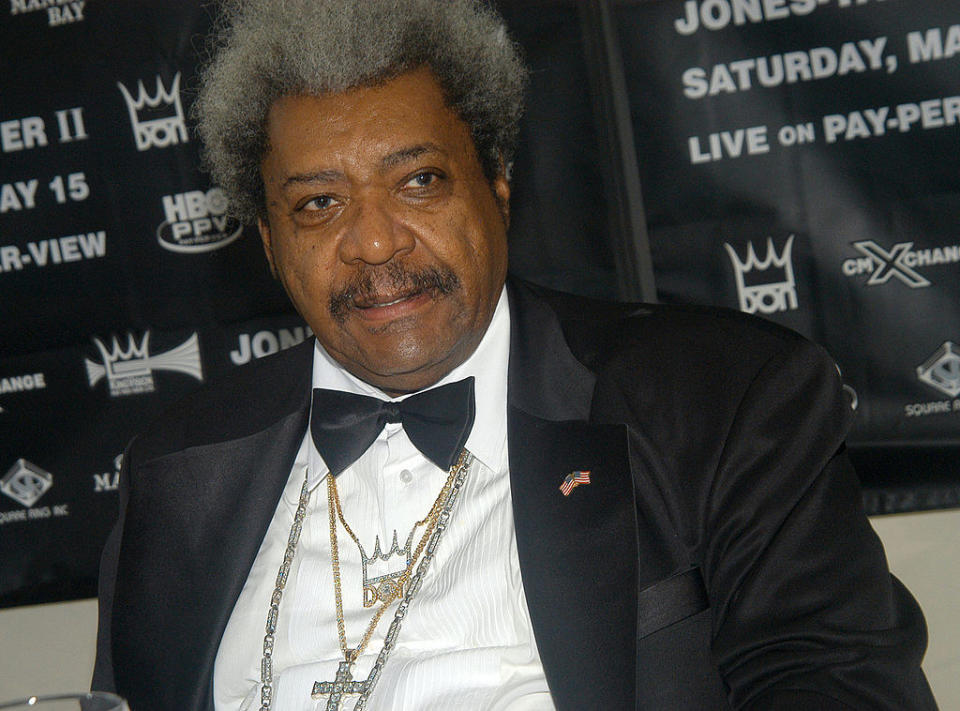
(265, 49)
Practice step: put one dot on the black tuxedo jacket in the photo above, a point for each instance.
(719, 557)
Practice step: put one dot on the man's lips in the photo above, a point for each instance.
(379, 300)
(390, 292)
(381, 307)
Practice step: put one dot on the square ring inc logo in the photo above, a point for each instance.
(25, 482)
(942, 370)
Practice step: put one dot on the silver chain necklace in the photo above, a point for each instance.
(343, 683)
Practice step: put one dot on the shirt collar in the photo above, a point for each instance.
(487, 364)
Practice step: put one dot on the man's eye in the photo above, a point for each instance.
(422, 180)
(321, 202)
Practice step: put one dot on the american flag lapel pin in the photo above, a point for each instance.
(572, 480)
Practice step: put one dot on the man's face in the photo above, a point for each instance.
(383, 228)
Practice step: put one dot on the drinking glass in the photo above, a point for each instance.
(94, 701)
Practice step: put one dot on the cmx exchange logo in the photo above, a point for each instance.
(899, 262)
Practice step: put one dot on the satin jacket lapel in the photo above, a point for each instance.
(228, 492)
(578, 553)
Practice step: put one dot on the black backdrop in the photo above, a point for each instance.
(653, 161)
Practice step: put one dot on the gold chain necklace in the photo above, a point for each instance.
(437, 519)
(391, 589)
(389, 586)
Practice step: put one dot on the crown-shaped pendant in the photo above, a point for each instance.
(383, 572)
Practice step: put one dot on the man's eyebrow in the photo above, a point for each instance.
(320, 176)
(403, 155)
(390, 160)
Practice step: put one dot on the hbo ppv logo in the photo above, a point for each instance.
(197, 222)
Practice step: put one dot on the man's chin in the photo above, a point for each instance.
(408, 345)
(405, 366)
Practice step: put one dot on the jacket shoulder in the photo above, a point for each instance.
(240, 402)
(601, 333)
(669, 361)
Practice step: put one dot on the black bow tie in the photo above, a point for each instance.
(437, 421)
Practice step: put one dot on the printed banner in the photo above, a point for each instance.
(800, 160)
(124, 284)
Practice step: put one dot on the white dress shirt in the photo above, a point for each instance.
(467, 641)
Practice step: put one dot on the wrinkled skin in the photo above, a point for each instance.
(383, 228)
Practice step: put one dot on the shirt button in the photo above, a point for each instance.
(405, 476)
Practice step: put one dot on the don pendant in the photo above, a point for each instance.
(384, 572)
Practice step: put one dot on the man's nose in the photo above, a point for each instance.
(375, 235)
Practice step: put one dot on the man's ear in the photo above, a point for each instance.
(501, 191)
(264, 227)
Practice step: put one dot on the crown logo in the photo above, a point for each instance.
(129, 371)
(779, 293)
(118, 362)
(157, 120)
(383, 572)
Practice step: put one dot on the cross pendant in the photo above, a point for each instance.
(342, 684)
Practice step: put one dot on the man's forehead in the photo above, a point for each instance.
(415, 95)
(387, 124)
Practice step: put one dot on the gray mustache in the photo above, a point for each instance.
(394, 278)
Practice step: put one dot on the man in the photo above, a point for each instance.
(600, 521)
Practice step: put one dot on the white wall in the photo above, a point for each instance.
(923, 550)
(49, 648)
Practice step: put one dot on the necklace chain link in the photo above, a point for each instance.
(437, 520)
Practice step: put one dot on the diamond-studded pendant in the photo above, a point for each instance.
(380, 583)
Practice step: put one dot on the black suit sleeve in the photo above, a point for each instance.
(806, 613)
(103, 679)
